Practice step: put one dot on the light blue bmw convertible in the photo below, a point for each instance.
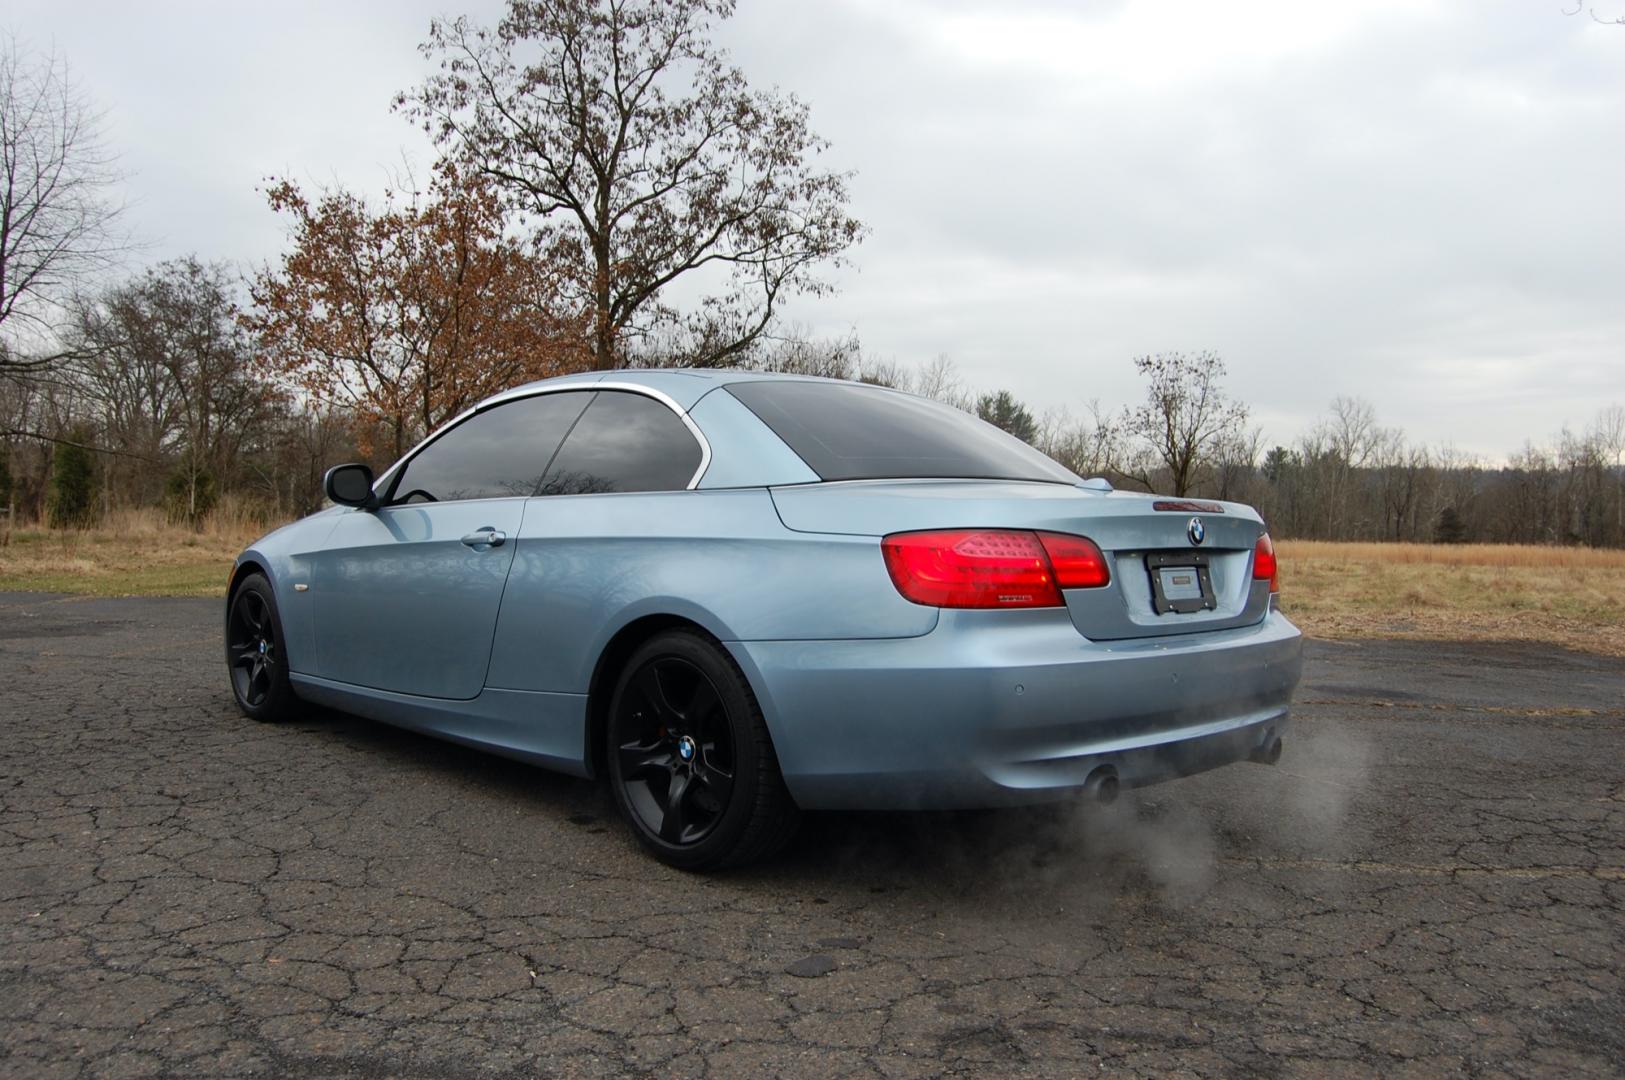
(740, 596)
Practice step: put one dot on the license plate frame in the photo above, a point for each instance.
(1159, 562)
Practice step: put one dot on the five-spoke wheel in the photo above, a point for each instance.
(254, 654)
(690, 761)
(676, 756)
(252, 643)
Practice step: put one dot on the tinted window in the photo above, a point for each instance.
(847, 431)
(498, 454)
(624, 442)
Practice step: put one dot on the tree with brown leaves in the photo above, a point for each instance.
(406, 315)
(620, 122)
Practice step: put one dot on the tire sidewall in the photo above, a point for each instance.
(280, 696)
(739, 710)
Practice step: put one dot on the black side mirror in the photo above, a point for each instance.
(350, 485)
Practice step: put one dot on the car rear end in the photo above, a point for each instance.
(1085, 639)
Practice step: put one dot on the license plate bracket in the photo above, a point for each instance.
(1181, 582)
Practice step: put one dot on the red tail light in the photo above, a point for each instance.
(1264, 568)
(991, 568)
(1078, 563)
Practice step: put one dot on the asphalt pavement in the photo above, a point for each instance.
(1432, 882)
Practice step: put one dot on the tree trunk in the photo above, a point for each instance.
(603, 331)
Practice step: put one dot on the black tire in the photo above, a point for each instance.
(683, 719)
(256, 659)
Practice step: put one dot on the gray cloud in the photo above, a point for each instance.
(1412, 202)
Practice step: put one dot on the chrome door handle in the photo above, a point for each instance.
(486, 537)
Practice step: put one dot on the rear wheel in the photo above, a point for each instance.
(255, 658)
(690, 760)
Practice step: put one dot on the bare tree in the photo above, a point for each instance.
(1458, 487)
(1352, 430)
(792, 350)
(128, 375)
(1185, 415)
(1402, 473)
(939, 380)
(171, 367)
(619, 124)
(1350, 437)
(1609, 433)
(1088, 447)
(1583, 489)
(1235, 461)
(58, 213)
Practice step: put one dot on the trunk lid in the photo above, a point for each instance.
(1139, 541)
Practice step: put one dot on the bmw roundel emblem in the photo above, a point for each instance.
(1196, 531)
(686, 748)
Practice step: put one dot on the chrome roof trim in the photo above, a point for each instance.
(583, 385)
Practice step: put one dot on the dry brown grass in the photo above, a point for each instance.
(131, 553)
(1573, 597)
(1524, 555)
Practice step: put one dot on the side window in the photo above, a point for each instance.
(497, 454)
(624, 442)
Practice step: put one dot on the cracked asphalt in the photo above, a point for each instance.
(1432, 882)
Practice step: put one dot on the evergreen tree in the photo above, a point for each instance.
(1450, 529)
(73, 485)
(1002, 410)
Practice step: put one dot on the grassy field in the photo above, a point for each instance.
(133, 553)
(1563, 596)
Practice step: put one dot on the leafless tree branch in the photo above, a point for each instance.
(58, 211)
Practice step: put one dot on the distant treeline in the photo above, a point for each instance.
(1349, 478)
(167, 400)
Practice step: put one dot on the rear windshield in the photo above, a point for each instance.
(848, 431)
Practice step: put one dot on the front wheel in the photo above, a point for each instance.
(690, 760)
(255, 657)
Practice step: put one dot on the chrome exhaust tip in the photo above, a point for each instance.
(1102, 785)
(1268, 752)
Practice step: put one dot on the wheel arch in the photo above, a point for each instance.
(248, 564)
(616, 652)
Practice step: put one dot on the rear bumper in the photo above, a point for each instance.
(1003, 708)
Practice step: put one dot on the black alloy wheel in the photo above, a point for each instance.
(690, 761)
(677, 758)
(254, 653)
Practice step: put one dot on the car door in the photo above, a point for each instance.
(407, 595)
(601, 514)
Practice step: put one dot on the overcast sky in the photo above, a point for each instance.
(1414, 202)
